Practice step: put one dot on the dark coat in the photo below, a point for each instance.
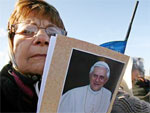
(13, 96)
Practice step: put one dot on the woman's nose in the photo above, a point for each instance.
(41, 38)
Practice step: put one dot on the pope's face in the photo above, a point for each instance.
(30, 52)
(98, 78)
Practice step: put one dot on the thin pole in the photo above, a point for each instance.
(130, 25)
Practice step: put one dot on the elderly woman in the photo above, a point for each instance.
(30, 27)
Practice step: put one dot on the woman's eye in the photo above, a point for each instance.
(27, 32)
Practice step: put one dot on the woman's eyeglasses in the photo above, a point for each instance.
(30, 30)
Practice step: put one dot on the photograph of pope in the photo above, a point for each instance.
(92, 98)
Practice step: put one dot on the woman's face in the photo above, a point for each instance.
(30, 51)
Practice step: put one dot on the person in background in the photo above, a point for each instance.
(137, 69)
(140, 85)
(30, 27)
(126, 101)
(92, 98)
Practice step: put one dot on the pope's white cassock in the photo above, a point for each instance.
(85, 100)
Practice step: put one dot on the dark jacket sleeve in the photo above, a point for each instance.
(3, 103)
(7, 93)
(12, 97)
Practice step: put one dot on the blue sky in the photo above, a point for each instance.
(95, 21)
